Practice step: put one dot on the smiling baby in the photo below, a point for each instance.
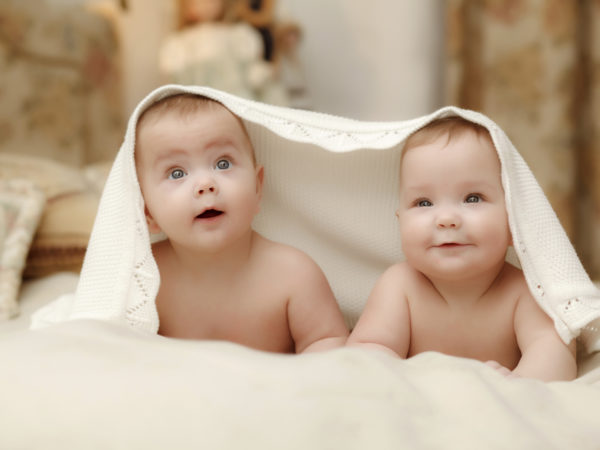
(455, 293)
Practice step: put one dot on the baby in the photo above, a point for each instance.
(219, 278)
(455, 293)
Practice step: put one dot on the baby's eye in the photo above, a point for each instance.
(176, 174)
(473, 198)
(423, 203)
(223, 164)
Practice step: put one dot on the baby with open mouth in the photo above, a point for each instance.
(220, 279)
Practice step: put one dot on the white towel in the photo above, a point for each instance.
(330, 190)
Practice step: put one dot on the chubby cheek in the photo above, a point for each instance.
(152, 219)
(409, 250)
(244, 194)
(251, 195)
(414, 234)
(494, 229)
(253, 204)
(164, 208)
(152, 226)
(414, 226)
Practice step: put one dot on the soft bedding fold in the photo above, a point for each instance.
(96, 384)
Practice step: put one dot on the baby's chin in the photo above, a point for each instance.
(454, 269)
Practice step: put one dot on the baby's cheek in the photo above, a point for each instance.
(498, 237)
(414, 236)
(414, 226)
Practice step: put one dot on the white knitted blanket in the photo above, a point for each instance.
(330, 190)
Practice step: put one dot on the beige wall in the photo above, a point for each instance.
(141, 30)
(372, 60)
(375, 60)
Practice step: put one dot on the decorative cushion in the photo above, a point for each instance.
(21, 206)
(72, 196)
(62, 237)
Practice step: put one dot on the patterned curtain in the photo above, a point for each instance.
(533, 66)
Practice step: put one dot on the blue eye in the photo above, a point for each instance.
(424, 203)
(176, 174)
(473, 198)
(223, 164)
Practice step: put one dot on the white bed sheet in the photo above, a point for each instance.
(91, 384)
(36, 293)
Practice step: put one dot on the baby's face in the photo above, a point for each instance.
(198, 177)
(453, 219)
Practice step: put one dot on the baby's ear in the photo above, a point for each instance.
(260, 178)
(153, 227)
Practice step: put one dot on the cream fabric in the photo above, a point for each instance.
(97, 385)
(331, 188)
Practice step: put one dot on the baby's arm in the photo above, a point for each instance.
(315, 319)
(385, 322)
(543, 354)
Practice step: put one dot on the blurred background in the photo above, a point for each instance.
(71, 72)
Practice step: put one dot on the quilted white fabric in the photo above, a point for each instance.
(331, 190)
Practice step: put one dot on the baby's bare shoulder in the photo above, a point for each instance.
(403, 269)
(283, 257)
(404, 273)
(293, 274)
(398, 281)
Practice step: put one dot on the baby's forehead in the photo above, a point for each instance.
(186, 110)
(449, 138)
(472, 156)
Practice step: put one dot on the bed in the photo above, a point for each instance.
(93, 384)
(96, 378)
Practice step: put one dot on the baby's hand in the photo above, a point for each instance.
(501, 369)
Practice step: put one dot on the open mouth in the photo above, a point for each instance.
(209, 214)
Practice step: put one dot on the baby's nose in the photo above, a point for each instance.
(206, 189)
(448, 219)
(204, 185)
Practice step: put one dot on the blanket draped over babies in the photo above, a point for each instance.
(331, 188)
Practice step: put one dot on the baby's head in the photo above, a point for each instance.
(197, 170)
(452, 214)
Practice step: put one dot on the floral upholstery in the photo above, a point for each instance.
(60, 86)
